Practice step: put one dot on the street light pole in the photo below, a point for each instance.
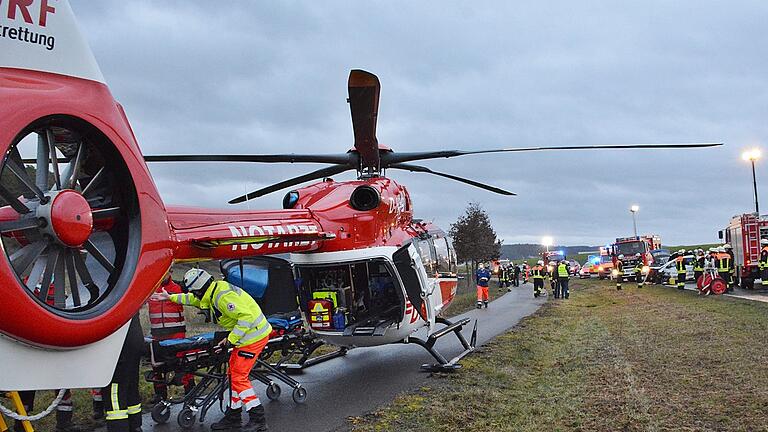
(752, 156)
(634, 209)
(754, 184)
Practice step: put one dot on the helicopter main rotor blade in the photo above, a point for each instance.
(346, 158)
(363, 101)
(422, 169)
(392, 158)
(314, 175)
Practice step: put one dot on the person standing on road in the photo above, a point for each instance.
(249, 330)
(763, 263)
(698, 265)
(166, 320)
(537, 273)
(638, 270)
(723, 263)
(563, 273)
(680, 266)
(729, 251)
(123, 401)
(619, 271)
(502, 277)
(482, 276)
(516, 270)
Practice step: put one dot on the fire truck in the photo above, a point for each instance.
(631, 246)
(744, 233)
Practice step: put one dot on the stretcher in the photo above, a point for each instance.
(202, 357)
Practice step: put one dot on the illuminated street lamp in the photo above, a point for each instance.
(547, 242)
(752, 156)
(634, 209)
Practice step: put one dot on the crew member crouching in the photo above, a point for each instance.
(249, 330)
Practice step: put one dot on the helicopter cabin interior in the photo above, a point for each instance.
(356, 298)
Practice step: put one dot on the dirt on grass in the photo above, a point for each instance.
(650, 359)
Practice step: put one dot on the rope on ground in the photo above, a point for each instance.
(16, 416)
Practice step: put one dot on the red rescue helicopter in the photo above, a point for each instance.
(82, 217)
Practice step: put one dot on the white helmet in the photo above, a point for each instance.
(712, 249)
(621, 257)
(637, 255)
(764, 241)
(681, 251)
(727, 246)
(720, 249)
(540, 262)
(481, 265)
(197, 279)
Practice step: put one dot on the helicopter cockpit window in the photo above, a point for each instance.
(427, 256)
(444, 259)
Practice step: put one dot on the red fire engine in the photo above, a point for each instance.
(744, 233)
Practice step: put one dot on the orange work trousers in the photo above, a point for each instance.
(482, 293)
(241, 362)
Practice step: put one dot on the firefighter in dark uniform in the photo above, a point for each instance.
(619, 271)
(698, 265)
(638, 270)
(563, 273)
(729, 251)
(502, 277)
(516, 270)
(552, 273)
(680, 267)
(763, 264)
(537, 273)
(122, 399)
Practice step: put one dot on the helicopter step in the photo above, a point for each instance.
(443, 364)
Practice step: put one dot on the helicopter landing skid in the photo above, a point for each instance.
(443, 364)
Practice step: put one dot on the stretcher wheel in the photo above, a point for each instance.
(186, 418)
(273, 391)
(299, 395)
(161, 412)
(718, 286)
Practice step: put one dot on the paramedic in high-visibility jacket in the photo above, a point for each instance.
(249, 330)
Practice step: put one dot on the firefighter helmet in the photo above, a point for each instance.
(764, 241)
(637, 255)
(727, 246)
(540, 262)
(621, 257)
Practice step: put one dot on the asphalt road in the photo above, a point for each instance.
(367, 378)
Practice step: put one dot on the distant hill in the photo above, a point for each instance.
(527, 250)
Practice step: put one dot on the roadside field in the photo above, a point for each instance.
(648, 359)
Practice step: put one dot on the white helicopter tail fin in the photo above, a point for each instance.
(43, 35)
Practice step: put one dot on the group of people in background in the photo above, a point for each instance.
(512, 275)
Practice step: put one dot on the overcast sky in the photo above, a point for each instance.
(265, 77)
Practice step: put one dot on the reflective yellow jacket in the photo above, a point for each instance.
(233, 309)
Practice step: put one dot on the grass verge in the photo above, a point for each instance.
(649, 359)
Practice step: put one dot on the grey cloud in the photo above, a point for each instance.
(264, 77)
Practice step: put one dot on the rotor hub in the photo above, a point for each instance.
(68, 216)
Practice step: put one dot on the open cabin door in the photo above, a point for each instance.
(269, 280)
(408, 264)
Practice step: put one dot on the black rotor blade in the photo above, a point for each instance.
(13, 201)
(289, 158)
(314, 175)
(69, 260)
(45, 283)
(418, 168)
(19, 225)
(24, 257)
(17, 168)
(99, 256)
(85, 276)
(390, 158)
(363, 100)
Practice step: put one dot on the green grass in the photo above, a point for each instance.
(654, 359)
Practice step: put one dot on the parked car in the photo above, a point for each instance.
(660, 257)
(669, 270)
(586, 270)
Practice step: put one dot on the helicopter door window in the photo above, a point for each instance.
(427, 255)
(444, 261)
